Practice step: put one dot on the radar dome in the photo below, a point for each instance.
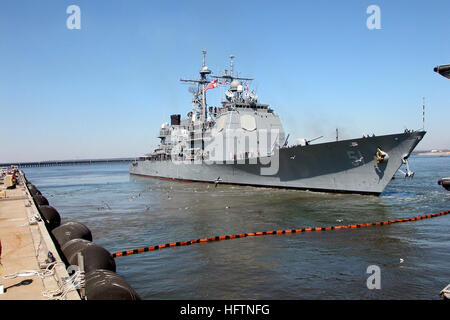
(205, 70)
(234, 85)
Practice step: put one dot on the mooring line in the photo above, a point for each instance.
(274, 232)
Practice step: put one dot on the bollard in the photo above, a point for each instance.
(82, 284)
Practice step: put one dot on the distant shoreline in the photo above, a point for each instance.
(429, 153)
(48, 163)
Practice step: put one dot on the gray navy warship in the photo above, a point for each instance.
(242, 142)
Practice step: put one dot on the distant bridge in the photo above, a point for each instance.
(63, 162)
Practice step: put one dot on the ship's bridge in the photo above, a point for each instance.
(227, 106)
(251, 105)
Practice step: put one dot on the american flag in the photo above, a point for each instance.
(213, 84)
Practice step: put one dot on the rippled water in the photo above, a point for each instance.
(127, 212)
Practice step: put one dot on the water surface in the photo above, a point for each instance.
(127, 212)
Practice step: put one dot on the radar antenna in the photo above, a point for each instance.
(230, 76)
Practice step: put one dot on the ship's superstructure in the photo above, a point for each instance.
(243, 142)
(208, 132)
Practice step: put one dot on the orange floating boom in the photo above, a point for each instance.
(252, 234)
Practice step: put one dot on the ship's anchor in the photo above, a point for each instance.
(381, 156)
(408, 173)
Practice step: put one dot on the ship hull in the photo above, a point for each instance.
(346, 166)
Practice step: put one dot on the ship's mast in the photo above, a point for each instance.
(204, 72)
(231, 65)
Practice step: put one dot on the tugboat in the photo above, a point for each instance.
(242, 142)
(443, 70)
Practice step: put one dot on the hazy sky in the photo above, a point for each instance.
(104, 90)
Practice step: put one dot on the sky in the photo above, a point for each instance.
(103, 90)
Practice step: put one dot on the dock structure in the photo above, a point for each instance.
(30, 266)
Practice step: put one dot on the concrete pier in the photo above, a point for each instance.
(64, 162)
(26, 272)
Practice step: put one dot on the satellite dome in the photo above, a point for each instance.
(234, 85)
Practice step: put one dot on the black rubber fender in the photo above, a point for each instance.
(71, 230)
(95, 257)
(40, 200)
(107, 285)
(73, 247)
(50, 216)
(33, 190)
